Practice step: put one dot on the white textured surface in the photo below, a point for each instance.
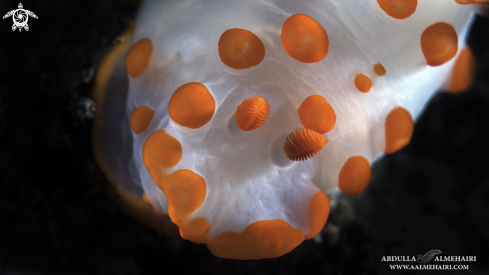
(247, 175)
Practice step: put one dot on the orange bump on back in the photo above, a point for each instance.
(137, 58)
(399, 9)
(467, 2)
(355, 176)
(317, 114)
(379, 69)
(185, 191)
(363, 83)
(303, 144)
(240, 49)
(191, 105)
(439, 43)
(319, 212)
(252, 113)
(304, 39)
(140, 118)
(463, 72)
(195, 230)
(398, 129)
(160, 151)
(259, 240)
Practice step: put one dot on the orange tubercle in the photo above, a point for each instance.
(363, 83)
(185, 192)
(399, 9)
(191, 105)
(140, 118)
(260, 240)
(252, 113)
(160, 152)
(399, 128)
(467, 2)
(317, 114)
(137, 58)
(463, 72)
(379, 69)
(355, 176)
(240, 49)
(439, 43)
(303, 144)
(304, 39)
(319, 212)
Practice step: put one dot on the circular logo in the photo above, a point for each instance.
(20, 17)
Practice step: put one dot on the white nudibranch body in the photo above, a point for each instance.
(235, 117)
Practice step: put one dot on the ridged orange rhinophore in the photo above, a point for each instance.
(303, 144)
(252, 113)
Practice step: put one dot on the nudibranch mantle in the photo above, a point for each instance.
(168, 130)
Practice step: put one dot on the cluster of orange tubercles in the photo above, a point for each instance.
(184, 189)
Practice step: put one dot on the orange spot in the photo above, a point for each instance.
(240, 49)
(399, 9)
(140, 119)
(145, 198)
(315, 113)
(304, 39)
(137, 58)
(160, 151)
(319, 211)
(379, 69)
(259, 240)
(355, 176)
(398, 129)
(477, 2)
(439, 43)
(185, 192)
(463, 72)
(303, 144)
(191, 105)
(363, 83)
(252, 113)
(195, 230)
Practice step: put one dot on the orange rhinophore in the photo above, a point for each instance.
(303, 144)
(252, 113)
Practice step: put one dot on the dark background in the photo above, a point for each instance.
(57, 210)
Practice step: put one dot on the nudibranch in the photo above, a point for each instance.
(228, 121)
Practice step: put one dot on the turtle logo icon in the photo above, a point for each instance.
(20, 17)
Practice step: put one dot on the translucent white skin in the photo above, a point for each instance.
(248, 178)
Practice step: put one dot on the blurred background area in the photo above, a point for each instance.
(58, 213)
